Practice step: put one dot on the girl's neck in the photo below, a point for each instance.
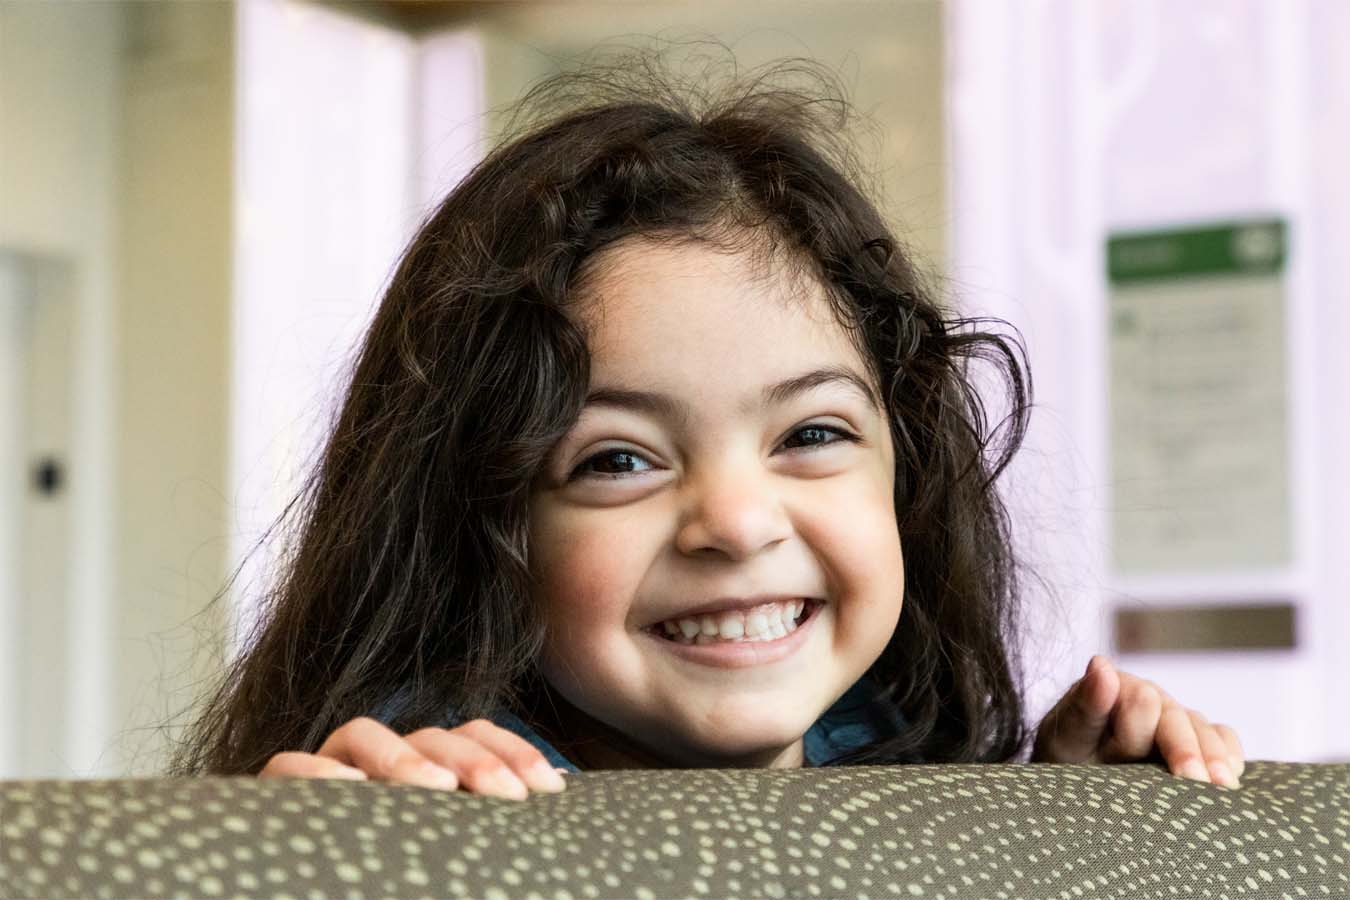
(592, 745)
(584, 740)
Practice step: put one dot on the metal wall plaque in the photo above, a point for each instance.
(1185, 628)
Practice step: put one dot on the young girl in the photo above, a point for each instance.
(658, 453)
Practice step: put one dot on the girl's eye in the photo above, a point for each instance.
(613, 464)
(609, 464)
(819, 436)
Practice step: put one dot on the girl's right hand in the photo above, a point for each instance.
(478, 757)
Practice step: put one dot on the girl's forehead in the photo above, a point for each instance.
(685, 317)
(686, 285)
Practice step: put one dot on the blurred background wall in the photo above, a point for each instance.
(115, 123)
(1182, 491)
(199, 204)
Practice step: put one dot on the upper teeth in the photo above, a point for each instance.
(768, 621)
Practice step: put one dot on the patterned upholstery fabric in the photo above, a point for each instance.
(996, 831)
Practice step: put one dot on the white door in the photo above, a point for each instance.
(35, 403)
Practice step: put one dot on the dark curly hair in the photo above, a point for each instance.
(407, 582)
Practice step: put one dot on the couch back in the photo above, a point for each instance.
(987, 831)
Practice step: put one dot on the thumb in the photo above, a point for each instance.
(1075, 728)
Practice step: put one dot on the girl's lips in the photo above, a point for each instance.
(734, 655)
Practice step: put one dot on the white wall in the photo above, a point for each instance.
(60, 83)
(1327, 189)
(171, 523)
(42, 309)
(13, 491)
(321, 194)
(328, 194)
(1071, 120)
(115, 162)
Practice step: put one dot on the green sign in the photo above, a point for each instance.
(1199, 412)
(1249, 248)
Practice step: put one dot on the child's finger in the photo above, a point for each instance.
(1214, 750)
(520, 755)
(1179, 744)
(1134, 721)
(506, 750)
(1072, 731)
(1237, 759)
(294, 764)
(479, 770)
(382, 754)
(1085, 712)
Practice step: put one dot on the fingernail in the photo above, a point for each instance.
(546, 778)
(1195, 771)
(504, 783)
(350, 773)
(1223, 775)
(434, 776)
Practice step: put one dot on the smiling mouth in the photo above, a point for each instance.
(738, 628)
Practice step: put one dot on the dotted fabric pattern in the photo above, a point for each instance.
(964, 831)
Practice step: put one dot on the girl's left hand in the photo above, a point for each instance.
(1110, 716)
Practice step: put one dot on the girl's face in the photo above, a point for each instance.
(731, 454)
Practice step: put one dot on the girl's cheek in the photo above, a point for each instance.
(586, 569)
(854, 518)
(854, 536)
(590, 577)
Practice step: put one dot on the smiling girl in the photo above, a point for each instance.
(658, 454)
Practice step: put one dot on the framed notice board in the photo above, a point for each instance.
(1199, 405)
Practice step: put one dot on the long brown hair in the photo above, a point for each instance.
(407, 585)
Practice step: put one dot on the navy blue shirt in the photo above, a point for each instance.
(856, 719)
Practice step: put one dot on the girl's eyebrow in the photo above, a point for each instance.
(675, 411)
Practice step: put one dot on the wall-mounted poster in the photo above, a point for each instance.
(1199, 410)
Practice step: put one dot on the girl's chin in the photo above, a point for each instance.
(730, 742)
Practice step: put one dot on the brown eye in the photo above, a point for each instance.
(818, 436)
(609, 464)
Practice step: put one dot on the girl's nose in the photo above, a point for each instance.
(733, 515)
